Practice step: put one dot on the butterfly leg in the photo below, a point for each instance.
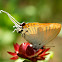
(14, 26)
(15, 30)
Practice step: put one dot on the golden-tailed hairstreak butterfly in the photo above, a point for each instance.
(38, 34)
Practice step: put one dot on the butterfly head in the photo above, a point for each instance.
(19, 28)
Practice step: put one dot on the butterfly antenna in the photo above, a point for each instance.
(17, 24)
(49, 46)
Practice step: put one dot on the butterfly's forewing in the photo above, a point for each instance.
(41, 34)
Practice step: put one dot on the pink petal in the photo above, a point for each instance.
(43, 54)
(29, 50)
(23, 47)
(36, 54)
(46, 50)
(13, 54)
(40, 50)
(16, 47)
(14, 58)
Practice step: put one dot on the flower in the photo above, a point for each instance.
(16, 47)
(26, 50)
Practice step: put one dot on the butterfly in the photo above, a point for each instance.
(38, 34)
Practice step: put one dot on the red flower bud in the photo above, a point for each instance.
(25, 50)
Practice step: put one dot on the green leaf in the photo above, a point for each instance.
(26, 60)
(20, 60)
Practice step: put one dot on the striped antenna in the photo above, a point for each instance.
(17, 24)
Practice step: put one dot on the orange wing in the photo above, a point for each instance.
(40, 34)
(41, 24)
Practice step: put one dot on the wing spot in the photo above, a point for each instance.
(39, 43)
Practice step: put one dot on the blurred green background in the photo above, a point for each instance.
(43, 11)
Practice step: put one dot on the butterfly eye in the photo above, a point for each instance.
(40, 44)
(22, 24)
(20, 31)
